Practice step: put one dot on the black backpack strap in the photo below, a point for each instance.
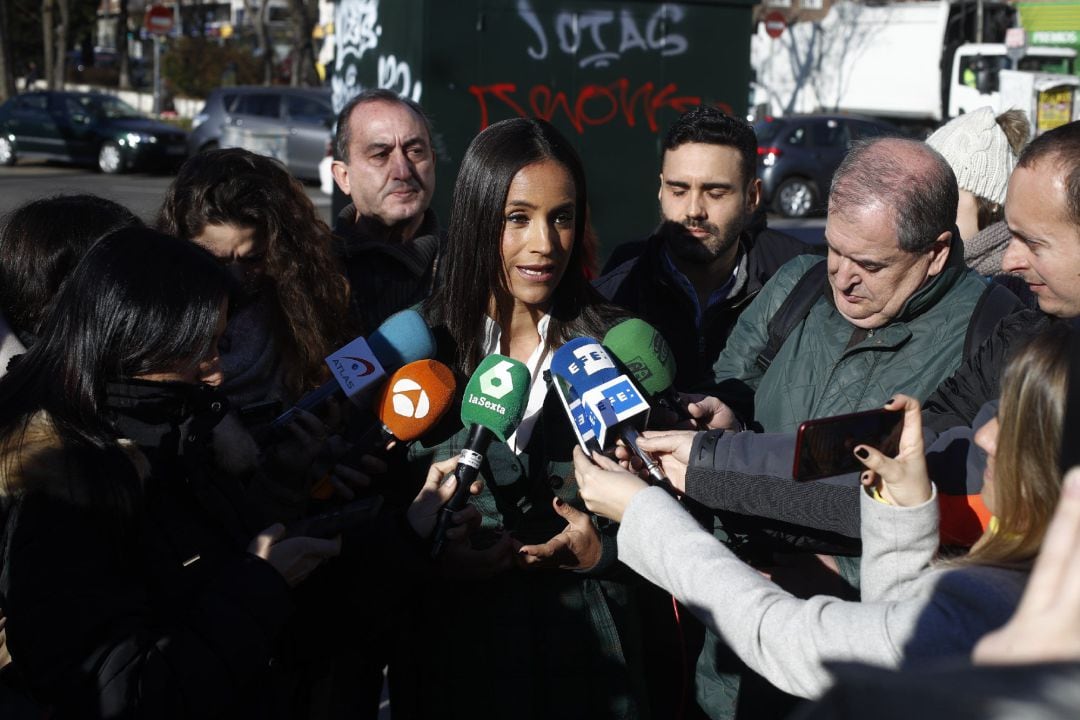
(792, 311)
(996, 302)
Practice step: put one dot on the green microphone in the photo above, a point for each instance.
(645, 353)
(492, 407)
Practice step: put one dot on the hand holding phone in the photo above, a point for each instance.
(333, 522)
(826, 446)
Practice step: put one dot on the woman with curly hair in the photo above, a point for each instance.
(292, 306)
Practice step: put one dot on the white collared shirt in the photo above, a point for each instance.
(538, 362)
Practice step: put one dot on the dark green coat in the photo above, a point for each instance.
(816, 374)
(526, 643)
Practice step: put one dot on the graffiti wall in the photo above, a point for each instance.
(611, 75)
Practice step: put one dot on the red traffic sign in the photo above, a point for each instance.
(158, 19)
(775, 24)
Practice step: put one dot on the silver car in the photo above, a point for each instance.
(290, 124)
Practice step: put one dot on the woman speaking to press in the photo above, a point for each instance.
(914, 607)
(535, 636)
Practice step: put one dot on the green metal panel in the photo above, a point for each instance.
(1052, 24)
(611, 75)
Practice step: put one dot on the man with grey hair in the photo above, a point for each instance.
(887, 312)
(386, 165)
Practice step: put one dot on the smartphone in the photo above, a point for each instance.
(332, 523)
(825, 446)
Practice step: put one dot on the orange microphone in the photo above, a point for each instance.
(409, 404)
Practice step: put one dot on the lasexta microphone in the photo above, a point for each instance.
(616, 407)
(402, 338)
(646, 354)
(491, 407)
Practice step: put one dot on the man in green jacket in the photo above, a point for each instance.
(893, 314)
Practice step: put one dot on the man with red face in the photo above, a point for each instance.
(386, 165)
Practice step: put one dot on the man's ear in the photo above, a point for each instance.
(753, 196)
(939, 253)
(340, 171)
(660, 192)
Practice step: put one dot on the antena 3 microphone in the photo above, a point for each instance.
(402, 338)
(414, 399)
(491, 407)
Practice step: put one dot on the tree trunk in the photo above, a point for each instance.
(48, 28)
(7, 70)
(255, 13)
(61, 42)
(122, 46)
(303, 50)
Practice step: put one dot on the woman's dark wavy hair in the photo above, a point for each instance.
(311, 295)
(473, 265)
(139, 302)
(40, 244)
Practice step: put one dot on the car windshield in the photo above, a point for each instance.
(108, 107)
(767, 130)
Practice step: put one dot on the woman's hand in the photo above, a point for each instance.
(1046, 626)
(903, 480)
(439, 487)
(604, 485)
(292, 455)
(577, 547)
(294, 558)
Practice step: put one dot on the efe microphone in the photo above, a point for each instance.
(492, 407)
(615, 406)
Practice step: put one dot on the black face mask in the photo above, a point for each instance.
(247, 284)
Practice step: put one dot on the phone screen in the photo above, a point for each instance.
(825, 446)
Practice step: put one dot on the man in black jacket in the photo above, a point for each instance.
(712, 251)
(390, 236)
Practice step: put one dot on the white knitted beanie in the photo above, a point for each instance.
(978, 152)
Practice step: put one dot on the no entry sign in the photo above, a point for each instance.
(775, 23)
(159, 19)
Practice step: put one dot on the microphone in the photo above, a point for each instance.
(491, 407)
(413, 401)
(410, 403)
(645, 353)
(402, 338)
(615, 406)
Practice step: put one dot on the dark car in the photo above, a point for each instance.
(290, 124)
(87, 128)
(798, 154)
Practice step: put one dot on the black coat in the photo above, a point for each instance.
(977, 381)
(385, 277)
(157, 613)
(644, 286)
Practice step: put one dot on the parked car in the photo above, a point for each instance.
(798, 155)
(290, 124)
(86, 128)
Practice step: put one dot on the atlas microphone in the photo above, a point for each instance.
(610, 401)
(645, 353)
(402, 338)
(491, 407)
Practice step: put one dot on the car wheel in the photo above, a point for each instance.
(110, 158)
(7, 151)
(795, 198)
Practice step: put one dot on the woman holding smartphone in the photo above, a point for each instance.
(914, 605)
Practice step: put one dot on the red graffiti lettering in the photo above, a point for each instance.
(594, 105)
